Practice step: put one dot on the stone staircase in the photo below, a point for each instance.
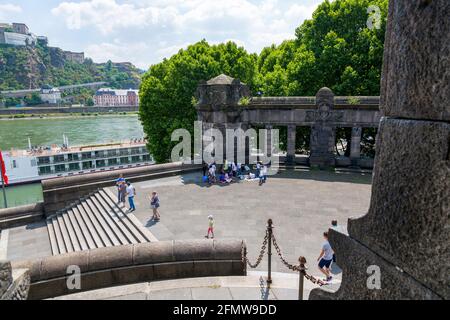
(95, 221)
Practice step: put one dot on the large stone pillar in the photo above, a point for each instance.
(291, 135)
(218, 108)
(404, 239)
(323, 134)
(355, 146)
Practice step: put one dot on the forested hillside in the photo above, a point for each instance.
(33, 67)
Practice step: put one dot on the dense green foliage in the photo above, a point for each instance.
(33, 67)
(334, 49)
(168, 87)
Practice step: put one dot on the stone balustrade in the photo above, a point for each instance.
(122, 265)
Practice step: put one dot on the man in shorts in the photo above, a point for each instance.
(326, 258)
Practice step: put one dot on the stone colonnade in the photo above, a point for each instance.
(220, 106)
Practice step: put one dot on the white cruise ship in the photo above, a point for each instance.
(36, 164)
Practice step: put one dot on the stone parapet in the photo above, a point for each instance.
(129, 264)
(61, 192)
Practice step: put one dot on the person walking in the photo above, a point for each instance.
(258, 169)
(263, 175)
(154, 204)
(210, 227)
(131, 192)
(122, 192)
(119, 182)
(326, 258)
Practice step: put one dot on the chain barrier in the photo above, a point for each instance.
(261, 253)
(295, 267)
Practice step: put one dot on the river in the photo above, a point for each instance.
(80, 130)
(47, 131)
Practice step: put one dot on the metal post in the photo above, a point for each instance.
(302, 268)
(269, 251)
(3, 187)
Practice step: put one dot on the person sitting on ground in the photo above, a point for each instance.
(212, 175)
(326, 258)
(222, 177)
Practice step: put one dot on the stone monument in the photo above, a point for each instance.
(401, 248)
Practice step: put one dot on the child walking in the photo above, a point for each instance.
(210, 227)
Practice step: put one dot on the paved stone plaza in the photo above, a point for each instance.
(301, 203)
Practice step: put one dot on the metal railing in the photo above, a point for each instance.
(269, 240)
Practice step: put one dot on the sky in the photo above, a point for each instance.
(146, 31)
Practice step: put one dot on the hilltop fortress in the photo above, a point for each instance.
(18, 34)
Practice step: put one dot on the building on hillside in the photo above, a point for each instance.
(16, 34)
(21, 28)
(50, 95)
(108, 97)
(18, 39)
(77, 57)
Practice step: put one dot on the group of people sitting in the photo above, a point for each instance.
(230, 172)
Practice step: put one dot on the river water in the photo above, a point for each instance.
(47, 131)
(80, 130)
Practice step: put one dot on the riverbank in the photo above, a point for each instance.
(65, 115)
(48, 111)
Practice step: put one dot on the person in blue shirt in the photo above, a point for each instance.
(326, 258)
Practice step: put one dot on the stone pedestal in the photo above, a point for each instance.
(355, 146)
(406, 235)
(323, 133)
(291, 135)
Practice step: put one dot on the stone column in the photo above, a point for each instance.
(355, 146)
(401, 248)
(291, 135)
(269, 144)
(322, 141)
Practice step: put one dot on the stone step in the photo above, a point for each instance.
(81, 237)
(132, 235)
(58, 236)
(52, 237)
(72, 234)
(95, 221)
(105, 241)
(140, 227)
(89, 227)
(103, 222)
(119, 229)
(83, 228)
(64, 233)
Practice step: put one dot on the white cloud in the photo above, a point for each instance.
(170, 25)
(7, 9)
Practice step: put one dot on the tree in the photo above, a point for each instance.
(334, 49)
(168, 87)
